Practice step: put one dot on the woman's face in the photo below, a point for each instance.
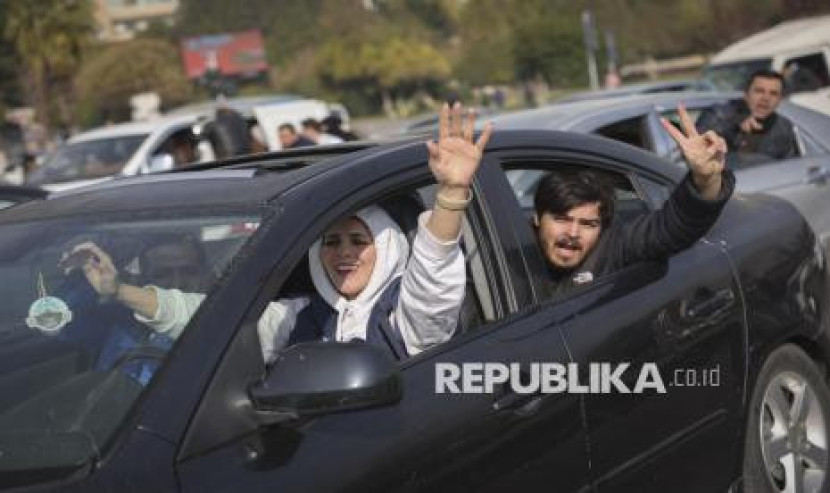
(348, 255)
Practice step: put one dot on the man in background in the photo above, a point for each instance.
(290, 139)
(751, 127)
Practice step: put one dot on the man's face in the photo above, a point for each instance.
(287, 137)
(310, 133)
(763, 96)
(568, 238)
(175, 265)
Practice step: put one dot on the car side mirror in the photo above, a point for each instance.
(310, 379)
(161, 162)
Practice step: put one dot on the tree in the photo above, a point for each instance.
(394, 67)
(119, 71)
(49, 37)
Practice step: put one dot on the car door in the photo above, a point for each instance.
(801, 181)
(682, 318)
(430, 440)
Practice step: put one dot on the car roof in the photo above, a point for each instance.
(639, 88)
(251, 182)
(132, 128)
(786, 36)
(574, 115)
(244, 105)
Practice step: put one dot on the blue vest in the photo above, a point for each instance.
(318, 322)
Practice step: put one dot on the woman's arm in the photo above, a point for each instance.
(453, 161)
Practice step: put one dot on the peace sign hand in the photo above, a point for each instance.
(705, 154)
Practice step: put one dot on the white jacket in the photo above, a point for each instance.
(432, 290)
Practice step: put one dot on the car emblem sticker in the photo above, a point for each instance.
(48, 313)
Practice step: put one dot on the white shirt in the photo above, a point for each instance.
(432, 290)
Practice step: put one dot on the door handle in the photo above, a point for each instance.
(718, 301)
(817, 175)
(522, 405)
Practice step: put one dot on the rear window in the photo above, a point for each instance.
(733, 76)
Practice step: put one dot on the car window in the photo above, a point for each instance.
(89, 159)
(806, 73)
(73, 362)
(182, 146)
(525, 178)
(631, 131)
(299, 294)
(524, 182)
(733, 76)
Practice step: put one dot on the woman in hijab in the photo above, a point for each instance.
(367, 285)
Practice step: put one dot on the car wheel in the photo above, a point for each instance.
(787, 430)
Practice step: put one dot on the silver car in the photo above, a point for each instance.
(635, 120)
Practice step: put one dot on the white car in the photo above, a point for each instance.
(124, 149)
(799, 49)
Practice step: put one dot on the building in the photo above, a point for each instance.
(118, 20)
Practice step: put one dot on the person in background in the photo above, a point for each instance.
(751, 127)
(313, 131)
(290, 139)
(333, 125)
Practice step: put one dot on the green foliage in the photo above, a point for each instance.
(121, 70)
(49, 37)
(549, 45)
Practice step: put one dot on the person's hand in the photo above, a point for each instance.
(751, 125)
(96, 265)
(455, 158)
(705, 154)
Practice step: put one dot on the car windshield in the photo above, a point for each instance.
(72, 362)
(733, 76)
(88, 159)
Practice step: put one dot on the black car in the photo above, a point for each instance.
(737, 327)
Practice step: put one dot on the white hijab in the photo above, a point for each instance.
(391, 255)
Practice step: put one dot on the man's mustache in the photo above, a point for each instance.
(569, 242)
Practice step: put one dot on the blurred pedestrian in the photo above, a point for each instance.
(333, 125)
(228, 133)
(313, 131)
(290, 139)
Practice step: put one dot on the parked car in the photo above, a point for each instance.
(635, 120)
(800, 49)
(640, 88)
(749, 301)
(15, 194)
(269, 112)
(124, 149)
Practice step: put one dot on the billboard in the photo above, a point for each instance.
(232, 54)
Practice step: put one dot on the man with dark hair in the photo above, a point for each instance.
(751, 126)
(313, 130)
(289, 138)
(574, 213)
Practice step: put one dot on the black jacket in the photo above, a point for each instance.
(777, 139)
(684, 218)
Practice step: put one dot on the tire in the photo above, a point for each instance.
(787, 441)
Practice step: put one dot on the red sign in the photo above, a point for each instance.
(238, 54)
